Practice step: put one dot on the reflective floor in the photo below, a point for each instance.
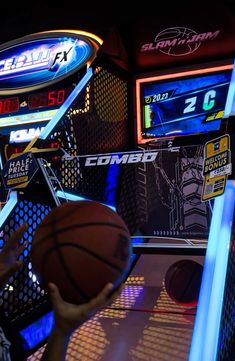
(143, 324)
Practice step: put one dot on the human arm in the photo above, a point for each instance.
(68, 317)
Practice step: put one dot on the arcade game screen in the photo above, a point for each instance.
(183, 105)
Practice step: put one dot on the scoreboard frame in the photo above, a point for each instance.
(176, 75)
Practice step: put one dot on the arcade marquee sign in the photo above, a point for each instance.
(41, 59)
(178, 41)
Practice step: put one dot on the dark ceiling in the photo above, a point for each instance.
(129, 18)
(24, 18)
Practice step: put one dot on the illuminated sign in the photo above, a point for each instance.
(19, 171)
(36, 117)
(37, 331)
(24, 135)
(41, 59)
(217, 166)
(109, 158)
(31, 107)
(178, 41)
(181, 103)
(124, 159)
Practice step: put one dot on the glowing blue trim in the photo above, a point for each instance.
(37, 331)
(1, 165)
(73, 197)
(230, 102)
(215, 264)
(4, 213)
(69, 196)
(217, 292)
(112, 183)
(205, 290)
(65, 106)
(54, 55)
(27, 118)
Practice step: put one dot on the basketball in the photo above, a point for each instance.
(81, 246)
(183, 282)
(177, 41)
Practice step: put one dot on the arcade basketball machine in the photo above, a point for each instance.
(80, 122)
(55, 103)
(182, 111)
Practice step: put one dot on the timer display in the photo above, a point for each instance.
(10, 105)
(183, 105)
(49, 99)
(32, 102)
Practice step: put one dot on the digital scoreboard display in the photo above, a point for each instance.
(183, 105)
(27, 109)
(22, 104)
(34, 101)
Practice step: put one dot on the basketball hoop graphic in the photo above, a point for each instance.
(178, 41)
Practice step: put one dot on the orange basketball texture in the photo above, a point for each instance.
(80, 246)
(183, 282)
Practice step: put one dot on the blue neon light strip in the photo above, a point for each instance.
(112, 183)
(65, 106)
(207, 277)
(230, 102)
(38, 331)
(29, 118)
(207, 323)
(4, 213)
(1, 165)
(69, 196)
(73, 197)
(217, 292)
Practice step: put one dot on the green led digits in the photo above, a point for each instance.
(194, 103)
(209, 100)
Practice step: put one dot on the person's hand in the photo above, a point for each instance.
(9, 254)
(70, 316)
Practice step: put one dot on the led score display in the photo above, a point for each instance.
(188, 104)
(50, 99)
(184, 106)
(10, 105)
(182, 103)
(35, 101)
